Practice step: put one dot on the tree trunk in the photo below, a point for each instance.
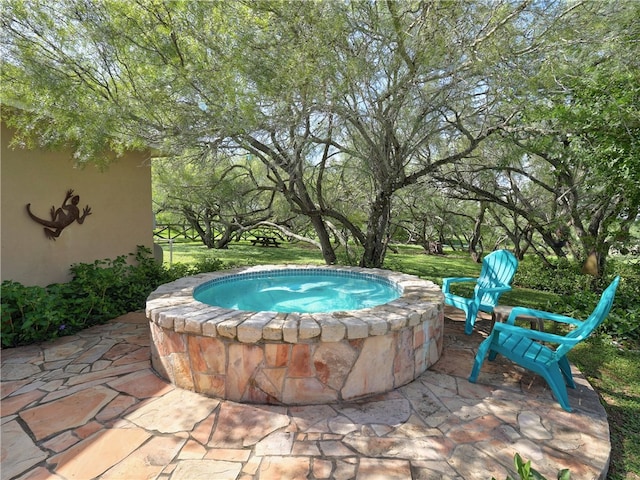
(475, 238)
(375, 246)
(328, 253)
(230, 231)
(205, 234)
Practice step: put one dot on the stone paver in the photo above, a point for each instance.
(68, 412)
(97, 453)
(19, 453)
(90, 406)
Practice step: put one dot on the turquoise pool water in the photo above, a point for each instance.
(303, 291)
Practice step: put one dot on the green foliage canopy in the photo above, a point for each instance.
(389, 92)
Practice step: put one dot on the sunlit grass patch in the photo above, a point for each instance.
(241, 254)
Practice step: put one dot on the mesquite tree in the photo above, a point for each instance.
(569, 168)
(319, 93)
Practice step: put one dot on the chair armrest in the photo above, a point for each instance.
(449, 280)
(534, 334)
(504, 288)
(541, 314)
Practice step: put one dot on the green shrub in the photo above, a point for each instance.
(29, 314)
(563, 277)
(579, 297)
(179, 270)
(207, 265)
(98, 292)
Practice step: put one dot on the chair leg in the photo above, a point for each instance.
(555, 380)
(565, 368)
(470, 320)
(479, 360)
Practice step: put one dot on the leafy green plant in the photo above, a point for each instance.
(98, 292)
(29, 314)
(527, 472)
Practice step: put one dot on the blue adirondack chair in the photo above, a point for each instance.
(496, 275)
(524, 346)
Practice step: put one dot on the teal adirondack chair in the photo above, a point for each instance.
(496, 275)
(525, 347)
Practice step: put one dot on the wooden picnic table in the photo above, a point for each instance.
(265, 241)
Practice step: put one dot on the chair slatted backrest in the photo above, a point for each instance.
(498, 269)
(593, 321)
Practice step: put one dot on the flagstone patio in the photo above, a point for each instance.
(89, 406)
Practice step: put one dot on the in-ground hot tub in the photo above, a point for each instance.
(298, 290)
(294, 357)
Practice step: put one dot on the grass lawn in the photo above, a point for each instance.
(614, 373)
(241, 253)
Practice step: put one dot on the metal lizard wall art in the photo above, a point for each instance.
(62, 217)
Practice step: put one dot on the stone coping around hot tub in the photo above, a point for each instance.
(172, 306)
